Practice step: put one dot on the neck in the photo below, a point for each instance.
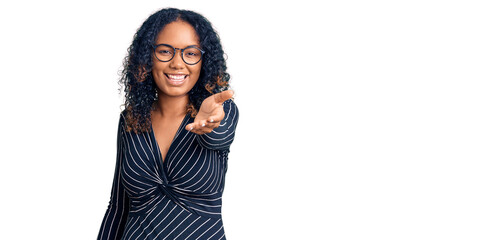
(168, 106)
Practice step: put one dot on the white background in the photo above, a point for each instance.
(358, 120)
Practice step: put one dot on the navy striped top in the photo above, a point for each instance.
(179, 198)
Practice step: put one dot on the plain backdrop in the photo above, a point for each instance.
(358, 119)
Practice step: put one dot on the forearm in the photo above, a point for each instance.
(222, 136)
(114, 221)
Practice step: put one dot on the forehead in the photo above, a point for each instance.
(178, 34)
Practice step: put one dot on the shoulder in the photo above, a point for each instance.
(122, 120)
(123, 113)
(122, 116)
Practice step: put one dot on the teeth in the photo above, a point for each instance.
(176, 77)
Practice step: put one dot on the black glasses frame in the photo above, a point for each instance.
(178, 49)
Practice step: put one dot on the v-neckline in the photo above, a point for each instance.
(164, 158)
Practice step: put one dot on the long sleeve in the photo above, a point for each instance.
(116, 214)
(222, 136)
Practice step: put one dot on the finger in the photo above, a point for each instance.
(207, 127)
(201, 130)
(202, 124)
(221, 97)
(197, 131)
(199, 125)
(195, 126)
(216, 118)
(189, 127)
(213, 125)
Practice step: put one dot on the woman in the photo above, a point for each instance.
(174, 134)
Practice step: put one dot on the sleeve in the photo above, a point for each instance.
(222, 136)
(116, 214)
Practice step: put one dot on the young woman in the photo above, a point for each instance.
(174, 134)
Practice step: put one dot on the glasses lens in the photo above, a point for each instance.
(192, 55)
(164, 53)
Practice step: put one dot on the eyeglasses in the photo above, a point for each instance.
(190, 55)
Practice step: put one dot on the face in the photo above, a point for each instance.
(176, 78)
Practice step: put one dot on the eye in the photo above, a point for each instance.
(165, 52)
(192, 53)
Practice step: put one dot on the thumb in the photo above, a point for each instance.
(221, 97)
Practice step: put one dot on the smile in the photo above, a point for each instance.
(177, 76)
(176, 79)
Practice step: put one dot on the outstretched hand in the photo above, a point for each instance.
(210, 113)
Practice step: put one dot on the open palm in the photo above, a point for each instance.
(210, 113)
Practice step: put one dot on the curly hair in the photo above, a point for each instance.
(139, 86)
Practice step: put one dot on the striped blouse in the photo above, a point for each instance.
(179, 198)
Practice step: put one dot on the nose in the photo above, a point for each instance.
(177, 61)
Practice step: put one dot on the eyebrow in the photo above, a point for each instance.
(193, 45)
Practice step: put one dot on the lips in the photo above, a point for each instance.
(176, 79)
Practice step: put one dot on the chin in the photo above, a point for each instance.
(176, 92)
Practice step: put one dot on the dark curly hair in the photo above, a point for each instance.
(139, 86)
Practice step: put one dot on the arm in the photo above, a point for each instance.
(116, 214)
(222, 136)
(216, 121)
